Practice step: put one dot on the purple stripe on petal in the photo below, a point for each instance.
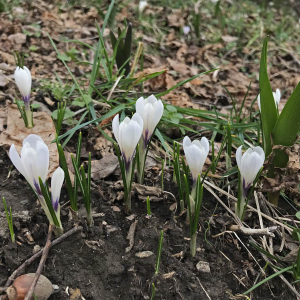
(37, 188)
(54, 204)
(127, 161)
(26, 98)
(245, 188)
(146, 138)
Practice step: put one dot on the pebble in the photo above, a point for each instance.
(144, 254)
(203, 266)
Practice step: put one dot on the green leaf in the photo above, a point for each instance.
(171, 108)
(63, 57)
(298, 215)
(35, 105)
(288, 124)
(268, 107)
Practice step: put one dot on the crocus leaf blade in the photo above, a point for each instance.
(288, 121)
(268, 107)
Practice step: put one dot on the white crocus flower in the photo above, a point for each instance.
(249, 165)
(34, 163)
(276, 96)
(127, 134)
(34, 160)
(186, 30)
(196, 153)
(151, 111)
(56, 184)
(142, 6)
(23, 81)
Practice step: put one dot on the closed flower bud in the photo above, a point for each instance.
(196, 153)
(276, 97)
(127, 134)
(23, 82)
(249, 165)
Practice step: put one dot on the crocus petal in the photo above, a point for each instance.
(142, 5)
(186, 142)
(29, 161)
(205, 144)
(239, 157)
(42, 152)
(32, 140)
(23, 80)
(258, 102)
(115, 127)
(56, 184)
(16, 160)
(158, 112)
(139, 106)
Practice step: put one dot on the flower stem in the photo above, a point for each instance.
(28, 113)
(90, 219)
(239, 207)
(142, 160)
(193, 244)
(128, 196)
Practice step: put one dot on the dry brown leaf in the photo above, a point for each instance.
(179, 99)
(179, 67)
(8, 58)
(104, 167)
(16, 132)
(2, 118)
(229, 38)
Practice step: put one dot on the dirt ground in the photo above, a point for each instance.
(115, 259)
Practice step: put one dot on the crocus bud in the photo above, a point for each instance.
(186, 30)
(151, 111)
(142, 6)
(56, 184)
(249, 165)
(34, 160)
(127, 134)
(196, 153)
(276, 96)
(23, 82)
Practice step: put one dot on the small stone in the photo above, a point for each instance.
(111, 229)
(36, 249)
(131, 217)
(116, 208)
(144, 254)
(203, 266)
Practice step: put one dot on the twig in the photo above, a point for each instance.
(254, 231)
(41, 264)
(248, 206)
(203, 289)
(260, 218)
(30, 260)
(291, 288)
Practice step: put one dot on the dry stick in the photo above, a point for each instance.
(255, 231)
(291, 287)
(248, 206)
(260, 219)
(30, 260)
(41, 264)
